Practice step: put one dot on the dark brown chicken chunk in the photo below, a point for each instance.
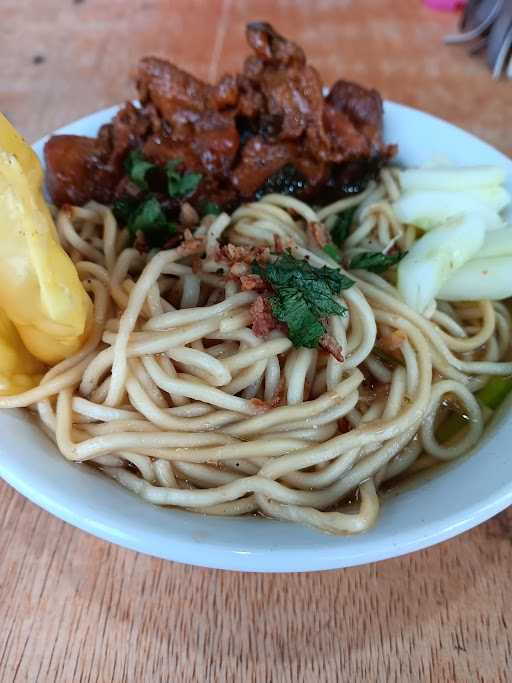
(362, 107)
(79, 168)
(270, 47)
(178, 97)
(291, 90)
(76, 171)
(267, 129)
(259, 160)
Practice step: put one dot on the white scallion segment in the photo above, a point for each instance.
(481, 278)
(497, 198)
(435, 256)
(461, 178)
(497, 243)
(428, 209)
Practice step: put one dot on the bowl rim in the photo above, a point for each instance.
(213, 556)
(276, 559)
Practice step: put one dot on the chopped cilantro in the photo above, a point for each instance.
(291, 307)
(180, 184)
(210, 209)
(124, 207)
(289, 271)
(376, 261)
(145, 213)
(146, 216)
(137, 166)
(303, 296)
(341, 228)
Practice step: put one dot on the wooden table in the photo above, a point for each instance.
(73, 608)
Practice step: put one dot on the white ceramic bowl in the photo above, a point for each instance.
(457, 499)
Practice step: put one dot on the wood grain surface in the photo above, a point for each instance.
(76, 609)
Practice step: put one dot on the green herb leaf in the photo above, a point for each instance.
(210, 209)
(289, 271)
(180, 184)
(376, 261)
(172, 165)
(124, 207)
(341, 228)
(290, 306)
(146, 216)
(189, 183)
(303, 296)
(333, 251)
(137, 167)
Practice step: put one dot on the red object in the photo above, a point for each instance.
(445, 5)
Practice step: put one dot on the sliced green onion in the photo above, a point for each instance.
(494, 392)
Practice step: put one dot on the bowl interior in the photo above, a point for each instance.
(455, 499)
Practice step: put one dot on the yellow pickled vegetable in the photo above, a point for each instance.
(19, 370)
(40, 291)
(13, 143)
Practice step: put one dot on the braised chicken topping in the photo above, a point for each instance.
(268, 129)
